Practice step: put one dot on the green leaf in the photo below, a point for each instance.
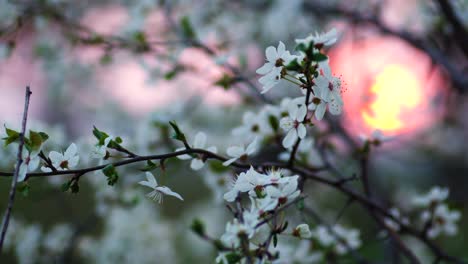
(111, 174)
(198, 227)
(294, 65)
(36, 139)
(225, 81)
(233, 258)
(178, 134)
(118, 140)
(318, 57)
(12, 136)
(23, 188)
(74, 186)
(65, 186)
(217, 166)
(275, 240)
(100, 135)
(149, 166)
(273, 122)
(187, 28)
(140, 37)
(105, 59)
(300, 205)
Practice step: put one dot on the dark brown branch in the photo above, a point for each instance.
(460, 34)
(19, 161)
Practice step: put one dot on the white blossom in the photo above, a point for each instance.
(246, 182)
(392, 224)
(30, 163)
(325, 39)
(435, 195)
(68, 160)
(330, 88)
(199, 143)
(277, 58)
(330, 239)
(302, 231)
(240, 152)
(293, 124)
(441, 220)
(158, 191)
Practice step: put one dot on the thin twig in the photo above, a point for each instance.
(19, 161)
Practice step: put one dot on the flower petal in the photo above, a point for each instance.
(165, 190)
(271, 54)
(70, 152)
(290, 138)
(196, 164)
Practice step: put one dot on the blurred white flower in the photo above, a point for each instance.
(302, 231)
(293, 124)
(240, 152)
(330, 88)
(65, 161)
(199, 143)
(283, 193)
(159, 191)
(441, 221)
(30, 163)
(390, 223)
(100, 151)
(277, 58)
(325, 39)
(434, 196)
(246, 182)
(328, 239)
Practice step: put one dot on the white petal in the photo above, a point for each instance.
(184, 156)
(70, 152)
(292, 110)
(73, 162)
(229, 162)
(200, 140)
(301, 131)
(231, 195)
(45, 169)
(271, 54)
(212, 149)
(235, 151)
(147, 184)
(169, 192)
(151, 179)
(320, 111)
(252, 147)
(290, 138)
(196, 164)
(33, 163)
(301, 113)
(22, 172)
(55, 157)
(281, 48)
(266, 68)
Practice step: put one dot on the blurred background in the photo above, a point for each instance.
(129, 67)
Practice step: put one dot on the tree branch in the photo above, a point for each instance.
(19, 161)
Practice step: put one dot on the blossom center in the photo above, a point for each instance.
(64, 164)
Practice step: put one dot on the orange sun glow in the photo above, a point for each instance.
(395, 89)
(388, 86)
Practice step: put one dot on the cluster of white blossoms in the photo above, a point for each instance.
(337, 238)
(436, 216)
(199, 143)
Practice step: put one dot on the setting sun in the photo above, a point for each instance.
(395, 90)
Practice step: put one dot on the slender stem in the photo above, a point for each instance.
(19, 161)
